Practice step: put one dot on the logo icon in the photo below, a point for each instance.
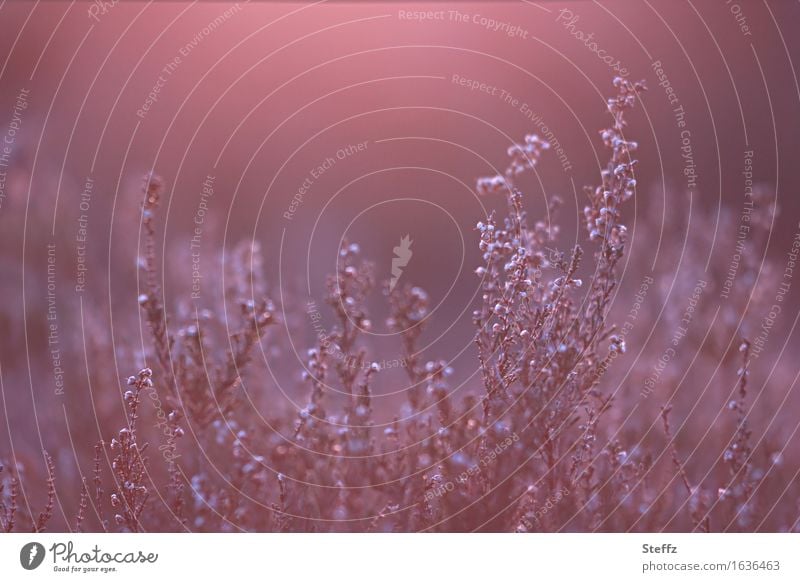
(32, 555)
(402, 254)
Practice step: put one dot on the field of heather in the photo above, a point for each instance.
(394, 267)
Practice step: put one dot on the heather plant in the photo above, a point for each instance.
(8, 505)
(16, 516)
(206, 387)
(540, 344)
(536, 443)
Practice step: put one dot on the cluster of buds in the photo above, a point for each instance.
(492, 185)
(409, 308)
(617, 344)
(618, 179)
(602, 215)
(262, 312)
(347, 293)
(524, 156)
